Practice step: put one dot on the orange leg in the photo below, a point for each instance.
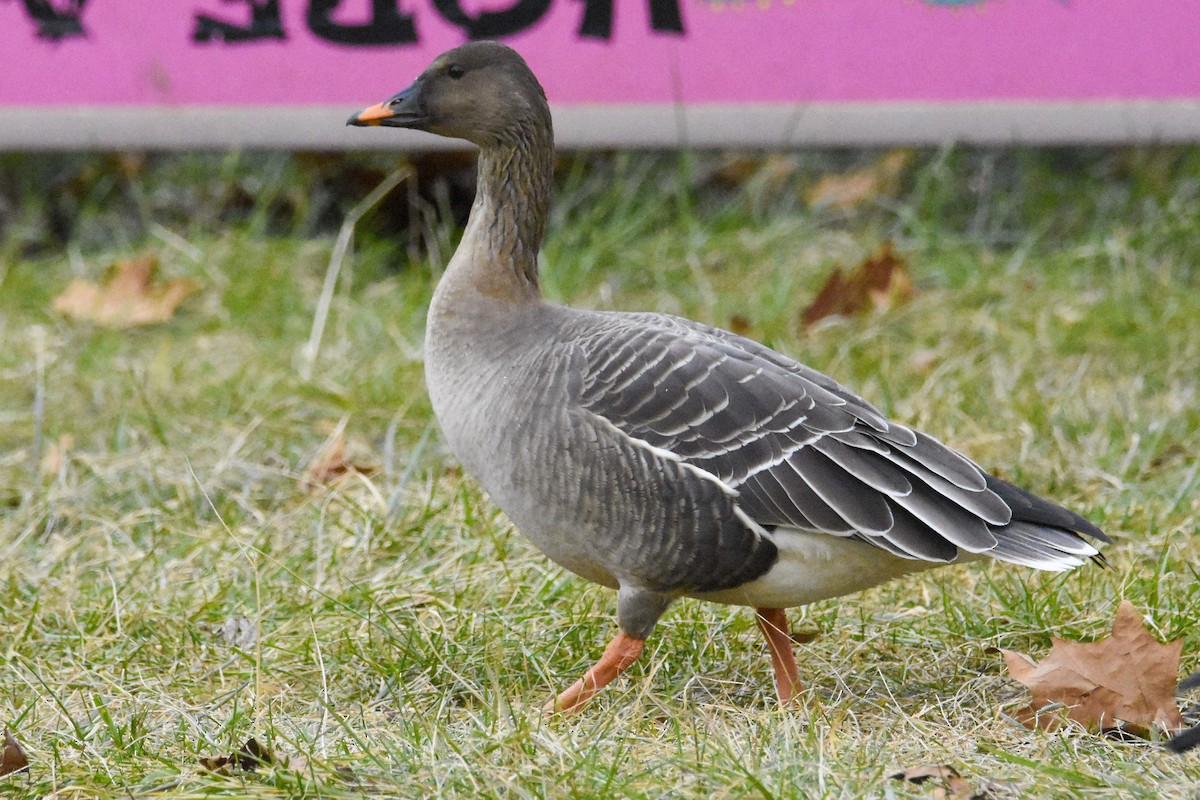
(773, 623)
(620, 653)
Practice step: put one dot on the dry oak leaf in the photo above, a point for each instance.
(879, 282)
(1127, 678)
(849, 189)
(127, 296)
(13, 758)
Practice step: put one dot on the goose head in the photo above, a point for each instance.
(483, 92)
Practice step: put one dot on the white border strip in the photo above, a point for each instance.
(644, 126)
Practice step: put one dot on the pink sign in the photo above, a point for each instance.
(780, 60)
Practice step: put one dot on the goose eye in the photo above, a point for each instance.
(455, 71)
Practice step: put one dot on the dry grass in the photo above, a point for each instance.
(400, 637)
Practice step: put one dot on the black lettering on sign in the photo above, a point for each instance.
(55, 24)
(598, 18)
(264, 24)
(388, 24)
(520, 16)
(665, 16)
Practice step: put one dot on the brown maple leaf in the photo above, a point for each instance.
(127, 296)
(1127, 678)
(880, 281)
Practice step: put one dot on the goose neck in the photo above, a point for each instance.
(508, 219)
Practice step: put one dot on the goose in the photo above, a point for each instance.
(662, 457)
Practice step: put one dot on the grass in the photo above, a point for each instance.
(403, 637)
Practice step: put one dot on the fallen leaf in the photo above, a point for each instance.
(57, 455)
(739, 325)
(248, 758)
(879, 282)
(13, 759)
(332, 463)
(1171, 452)
(952, 786)
(805, 636)
(1127, 678)
(849, 189)
(774, 171)
(237, 632)
(127, 296)
(215, 764)
(253, 755)
(131, 164)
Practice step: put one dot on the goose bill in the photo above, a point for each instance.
(400, 111)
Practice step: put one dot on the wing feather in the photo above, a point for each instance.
(864, 466)
(861, 507)
(909, 538)
(792, 493)
(948, 520)
(985, 504)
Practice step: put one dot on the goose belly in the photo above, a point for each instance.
(816, 566)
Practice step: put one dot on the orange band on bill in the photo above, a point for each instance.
(372, 115)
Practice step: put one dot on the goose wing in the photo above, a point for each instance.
(802, 451)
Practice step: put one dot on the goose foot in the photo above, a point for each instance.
(621, 652)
